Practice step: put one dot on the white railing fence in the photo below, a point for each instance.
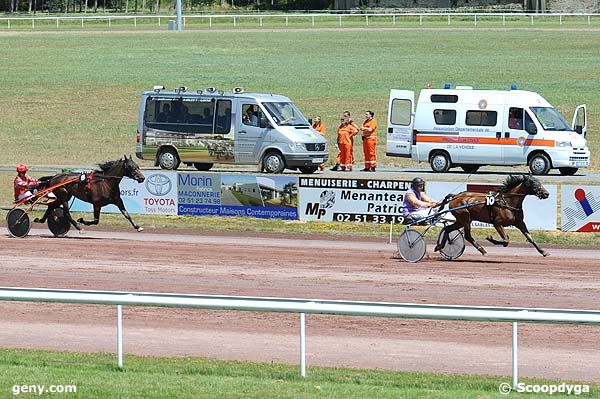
(304, 306)
(259, 20)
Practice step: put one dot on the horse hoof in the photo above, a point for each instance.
(544, 254)
(437, 248)
(37, 220)
(140, 229)
(80, 220)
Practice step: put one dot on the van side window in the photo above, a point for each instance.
(401, 112)
(444, 98)
(444, 116)
(481, 118)
(515, 118)
(223, 117)
(251, 115)
(179, 115)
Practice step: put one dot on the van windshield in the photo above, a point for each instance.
(550, 119)
(286, 114)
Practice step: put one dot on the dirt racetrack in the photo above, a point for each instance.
(321, 269)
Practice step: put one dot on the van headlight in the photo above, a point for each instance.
(563, 144)
(297, 146)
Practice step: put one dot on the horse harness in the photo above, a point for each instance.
(496, 199)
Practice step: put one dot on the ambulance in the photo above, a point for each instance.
(469, 128)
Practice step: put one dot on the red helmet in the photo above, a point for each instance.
(22, 168)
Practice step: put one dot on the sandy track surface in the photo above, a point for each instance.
(301, 268)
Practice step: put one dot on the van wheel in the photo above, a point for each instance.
(308, 170)
(568, 171)
(470, 168)
(440, 162)
(203, 166)
(168, 159)
(273, 162)
(539, 164)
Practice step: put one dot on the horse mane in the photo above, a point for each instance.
(106, 166)
(511, 182)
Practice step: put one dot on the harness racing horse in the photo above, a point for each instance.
(501, 208)
(99, 188)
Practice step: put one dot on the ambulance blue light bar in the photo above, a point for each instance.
(447, 85)
(513, 86)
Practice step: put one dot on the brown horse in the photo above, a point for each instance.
(99, 188)
(501, 208)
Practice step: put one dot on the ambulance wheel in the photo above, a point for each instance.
(455, 245)
(470, 168)
(567, 171)
(168, 159)
(539, 164)
(58, 223)
(411, 246)
(440, 162)
(18, 223)
(273, 162)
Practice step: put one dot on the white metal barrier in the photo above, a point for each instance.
(309, 19)
(303, 306)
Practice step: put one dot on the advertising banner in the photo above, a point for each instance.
(580, 208)
(238, 195)
(157, 195)
(380, 201)
(351, 200)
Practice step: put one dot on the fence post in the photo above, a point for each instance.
(8, 22)
(515, 364)
(394, 19)
(81, 23)
(158, 21)
(234, 21)
(260, 21)
(391, 229)
(210, 22)
(56, 22)
(367, 20)
(503, 20)
(120, 336)
(134, 22)
(109, 24)
(313, 20)
(32, 23)
(420, 20)
(303, 345)
(475, 19)
(286, 20)
(340, 20)
(560, 19)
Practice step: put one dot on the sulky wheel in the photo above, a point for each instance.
(455, 246)
(58, 223)
(18, 222)
(411, 245)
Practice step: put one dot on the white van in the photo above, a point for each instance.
(209, 126)
(471, 128)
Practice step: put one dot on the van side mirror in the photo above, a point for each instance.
(531, 128)
(264, 123)
(579, 129)
(310, 121)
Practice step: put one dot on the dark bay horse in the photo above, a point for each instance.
(99, 188)
(500, 208)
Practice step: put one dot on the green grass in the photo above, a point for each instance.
(71, 98)
(96, 376)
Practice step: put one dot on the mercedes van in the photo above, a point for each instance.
(470, 128)
(205, 127)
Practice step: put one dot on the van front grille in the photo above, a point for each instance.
(315, 146)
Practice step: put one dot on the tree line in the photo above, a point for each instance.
(154, 6)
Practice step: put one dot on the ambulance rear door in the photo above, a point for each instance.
(401, 112)
(579, 124)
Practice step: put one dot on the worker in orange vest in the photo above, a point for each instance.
(346, 132)
(319, 127)
(369, 137)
